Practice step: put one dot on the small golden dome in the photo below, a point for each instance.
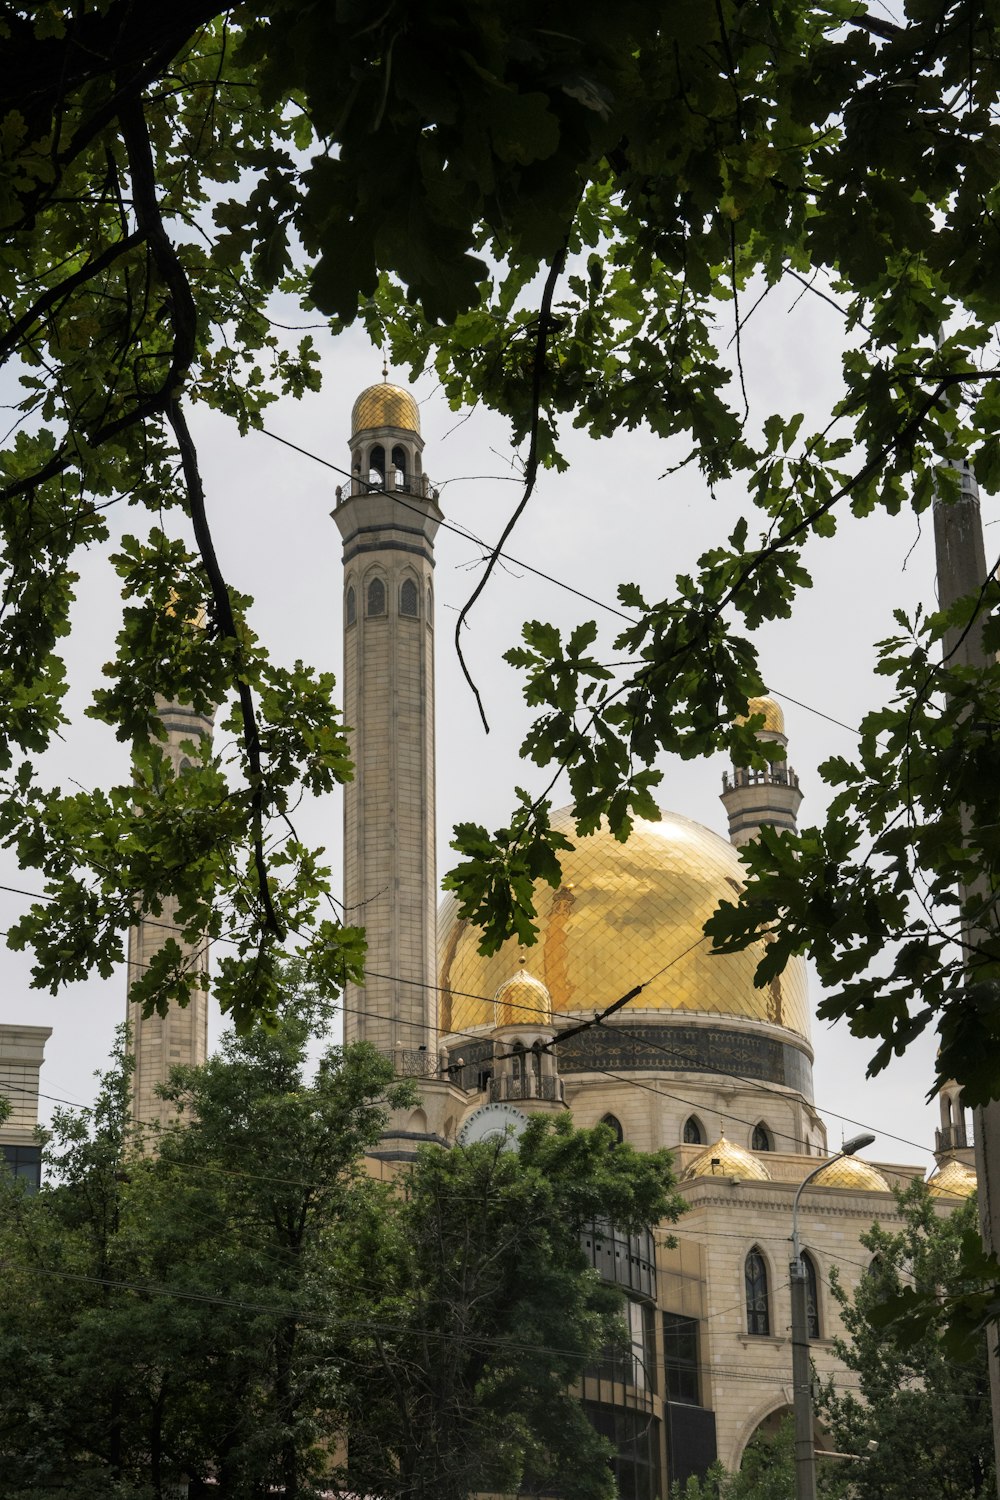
(522, 1001)
(622, 913)
(197, 619)
(852, 1172)
(724, 1159)
(953, 1180)
(385, 406)
(774, 718)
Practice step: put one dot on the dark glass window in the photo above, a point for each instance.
(352, 606)
(376, 597)
(812, 1297)
(636, 1463)
(628, 1260)
(692, 1132)
(26, 1164)
(613, 1123)
(408, 598)
(680, 1358)
(761, 1139)
(755, 1276)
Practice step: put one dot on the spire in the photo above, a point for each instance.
(754, 799)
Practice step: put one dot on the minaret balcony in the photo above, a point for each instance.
(744, 776)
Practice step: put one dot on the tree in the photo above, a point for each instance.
(920, 1421)
(580, 210)
(245, 1304)
(486, 1313)
(175, 1314)
(767, 1472)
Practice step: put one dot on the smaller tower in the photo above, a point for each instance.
(953, 1139)
(160, 1043)
(754, 799)
(524, 1069)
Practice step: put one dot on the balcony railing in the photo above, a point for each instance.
(506, 1087)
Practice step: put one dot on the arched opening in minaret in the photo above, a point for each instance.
(761, 1139)
(694, 1135)
(376, 597)
(351, 606)
(376, 467)
(517, 1062)
(408, 599)
(399, 475)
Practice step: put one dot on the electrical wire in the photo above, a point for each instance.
(400, 497)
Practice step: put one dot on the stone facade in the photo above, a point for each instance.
(160, 1043)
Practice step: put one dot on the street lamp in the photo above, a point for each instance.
(805, 1454)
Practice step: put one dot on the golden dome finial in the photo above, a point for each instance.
(774, 717)
(522, 1000)
(385, 405)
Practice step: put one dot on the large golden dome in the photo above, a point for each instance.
(624, 913)
(385, 405)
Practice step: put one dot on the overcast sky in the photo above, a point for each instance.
(610, 518)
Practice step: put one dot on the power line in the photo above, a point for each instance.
(470, 536)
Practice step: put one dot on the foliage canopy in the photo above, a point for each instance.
(581, 204)
(235, 1308)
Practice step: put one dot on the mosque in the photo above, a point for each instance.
(699, 1061)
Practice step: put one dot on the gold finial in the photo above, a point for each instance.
(385, 364)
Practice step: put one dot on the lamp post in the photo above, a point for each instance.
(805, 1454)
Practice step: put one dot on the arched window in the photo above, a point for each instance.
(376, 597)
(755, 1278)
(376, 466)
(517, 1061)
(613, 1123)
(761, 1139)
(408, 598)
(399, 468)
(352, 606)
(812, 1296)
(430, 604)
(692, 1132)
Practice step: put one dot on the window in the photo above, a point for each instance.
(761, 1139)
(680, 1358)
(376, 467)
(755, 1277)
(376, 597)
(613, 1123)
(399, 468)
(26, 1164)
(408, 599)
(637, 1450)
(517, 1061)
(693, 1135)
(812, 1297)
(351, 606)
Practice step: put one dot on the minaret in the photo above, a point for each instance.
(160, 1043)
(388, 519)
(753, 798)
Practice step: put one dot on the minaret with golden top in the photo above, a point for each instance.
(754, 799)
(388, 518)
